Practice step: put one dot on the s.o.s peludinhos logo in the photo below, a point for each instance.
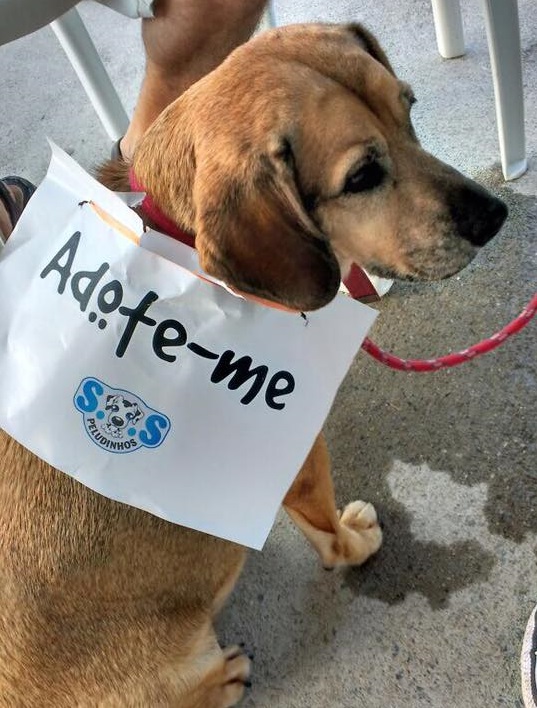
(117, 420)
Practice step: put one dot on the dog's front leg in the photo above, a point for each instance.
(346, 538)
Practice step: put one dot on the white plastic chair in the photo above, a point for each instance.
(503, 34)
(21, 17)
(85, 60)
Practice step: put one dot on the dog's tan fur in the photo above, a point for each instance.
(102, 604)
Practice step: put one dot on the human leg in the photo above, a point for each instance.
(184, 41)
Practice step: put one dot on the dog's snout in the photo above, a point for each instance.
(477, 214)
(117, 421)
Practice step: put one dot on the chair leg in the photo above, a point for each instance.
(448, 27)
(268, 20)
(78, 45)
(503, 33)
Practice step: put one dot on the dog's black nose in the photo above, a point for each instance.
(477, 214)
(117, 421)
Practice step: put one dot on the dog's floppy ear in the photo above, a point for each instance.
(254, 233)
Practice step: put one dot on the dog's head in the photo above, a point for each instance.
(303, 159)
(121, 412)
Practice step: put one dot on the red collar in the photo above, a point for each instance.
(156, 216)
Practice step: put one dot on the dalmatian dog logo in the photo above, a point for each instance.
(120, 413)
(119, 421)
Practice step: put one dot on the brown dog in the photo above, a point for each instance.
(292, 160)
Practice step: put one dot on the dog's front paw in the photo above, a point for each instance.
(359, 535)
(360, 516)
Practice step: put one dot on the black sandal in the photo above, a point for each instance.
(115, 153)
(528, 662)
(13, 206)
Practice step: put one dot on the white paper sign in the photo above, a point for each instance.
(148, 384)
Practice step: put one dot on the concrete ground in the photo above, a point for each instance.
(449, 459)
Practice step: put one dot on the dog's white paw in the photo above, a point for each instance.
(359, 535)
(359, 515)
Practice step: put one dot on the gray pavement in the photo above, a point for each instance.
(449, 459)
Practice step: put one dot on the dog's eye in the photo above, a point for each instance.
(366, 178)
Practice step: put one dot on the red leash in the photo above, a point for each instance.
(443, 362)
